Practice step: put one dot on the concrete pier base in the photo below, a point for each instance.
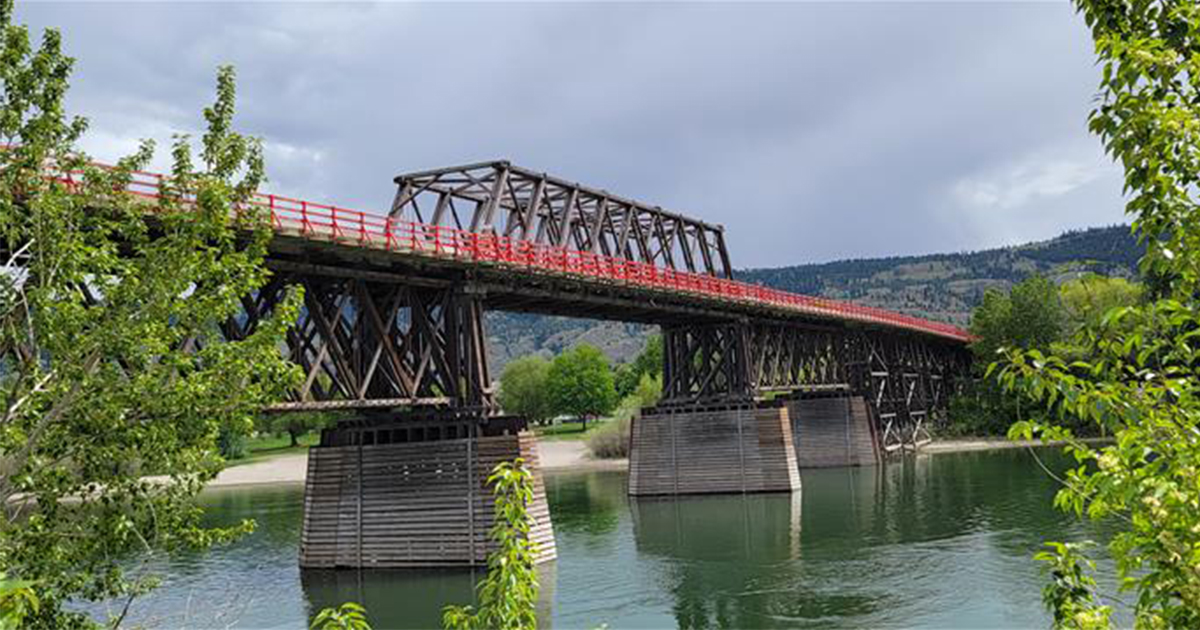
(832, 430)
(699, 450)
(405, 497)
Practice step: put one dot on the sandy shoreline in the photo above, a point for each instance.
(560, 456)
(987, 444)
(557, 457)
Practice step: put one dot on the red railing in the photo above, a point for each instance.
(352, 227)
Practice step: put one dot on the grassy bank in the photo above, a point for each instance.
(569, 430)
(262, 447)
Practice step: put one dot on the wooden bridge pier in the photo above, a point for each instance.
(411, 492)
(833, 428)
(710, 449)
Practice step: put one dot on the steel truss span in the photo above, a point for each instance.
(500, 198)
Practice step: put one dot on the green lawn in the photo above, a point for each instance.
(568, 430)
(266, 446)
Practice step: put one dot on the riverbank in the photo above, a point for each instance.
(557, 456)
(962, 445)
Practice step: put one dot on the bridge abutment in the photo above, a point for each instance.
(712, 449)
(412, 495)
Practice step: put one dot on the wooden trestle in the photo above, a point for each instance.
(412, 494)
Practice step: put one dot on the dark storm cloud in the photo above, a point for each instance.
(812, 131)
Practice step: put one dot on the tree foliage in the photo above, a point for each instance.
(612, 440)
(294, 424)
(1036, 315)
(348, 616)
(508, 595)
(111, 360)
(1087, 299)
(1139, 379)
(523, 389)
(581, 384)
(17, 602)
(649, 361)
(1030, 316)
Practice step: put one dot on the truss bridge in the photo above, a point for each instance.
(758, 382)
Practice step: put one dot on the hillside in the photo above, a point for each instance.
(947, 286)
(937, 286)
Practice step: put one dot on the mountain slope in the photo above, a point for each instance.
(947, 286)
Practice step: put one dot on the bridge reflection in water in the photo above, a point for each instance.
(901, 545)
(410, 598)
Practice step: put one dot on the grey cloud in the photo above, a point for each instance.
(812, 131)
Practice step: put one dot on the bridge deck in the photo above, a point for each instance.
(353, 230)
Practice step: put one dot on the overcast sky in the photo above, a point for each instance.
(812, 131)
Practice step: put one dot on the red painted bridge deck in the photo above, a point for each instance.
(329, 223)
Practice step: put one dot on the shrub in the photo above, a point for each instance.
(611, 441)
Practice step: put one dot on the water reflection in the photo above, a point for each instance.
(742, 529)
(939, 541)
(408, 598)
(720, 550)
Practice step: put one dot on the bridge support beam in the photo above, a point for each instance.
(412, 494)
(712, 449)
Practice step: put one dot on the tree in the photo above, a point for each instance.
(581, 384)
(523, 389)
(1139, 380)
(508, 595)
(612, 439)
(648, 361)
(113, 366)
(1030, 316)
(1087, 299)
(294, 424)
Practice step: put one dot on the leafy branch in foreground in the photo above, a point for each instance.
(348, 616)
(1139, 379)
(112, 363)
(508, 595)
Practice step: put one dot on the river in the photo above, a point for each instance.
(941, 540)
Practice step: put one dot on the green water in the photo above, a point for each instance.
(940, 541)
